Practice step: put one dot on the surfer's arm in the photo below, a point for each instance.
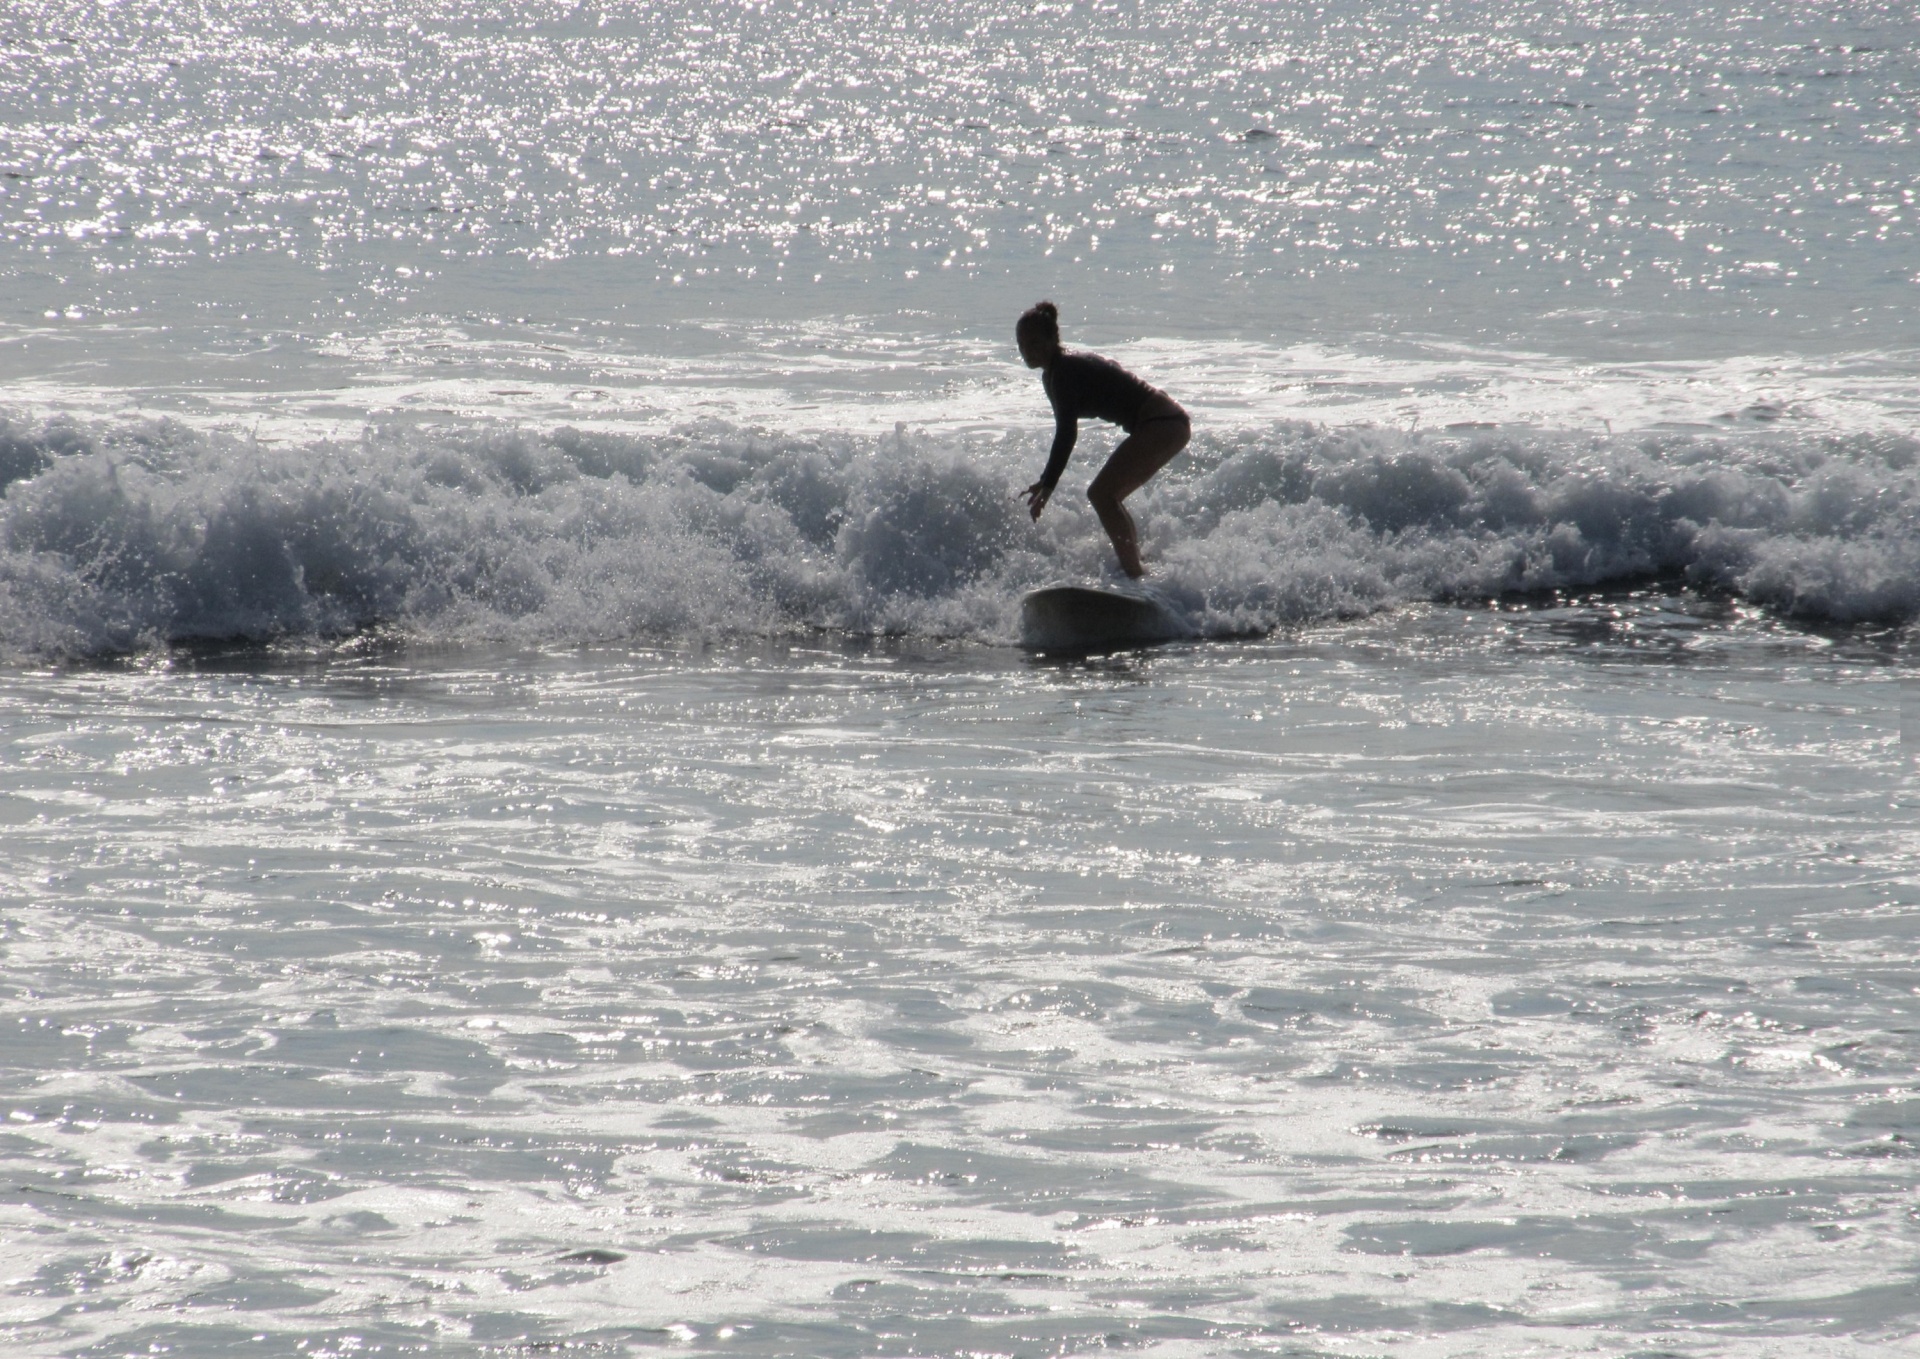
(1042, 490)
(1065, 432)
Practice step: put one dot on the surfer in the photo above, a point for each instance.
(1085, 384)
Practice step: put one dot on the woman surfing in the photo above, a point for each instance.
(1080, 385)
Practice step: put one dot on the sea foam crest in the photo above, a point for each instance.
(118, 537)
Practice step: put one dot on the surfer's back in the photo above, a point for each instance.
(1081, 385)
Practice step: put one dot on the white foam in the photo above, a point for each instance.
(821, 381)
(115, 536)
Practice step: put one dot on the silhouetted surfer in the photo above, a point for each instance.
(1081, 385)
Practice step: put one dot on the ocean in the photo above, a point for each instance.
(529, 824)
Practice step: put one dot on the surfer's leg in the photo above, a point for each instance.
(1150, 447)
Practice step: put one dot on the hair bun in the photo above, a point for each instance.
(1039, 324)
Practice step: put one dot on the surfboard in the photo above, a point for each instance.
(1086, 618)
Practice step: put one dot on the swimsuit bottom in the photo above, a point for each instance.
(1161, 407)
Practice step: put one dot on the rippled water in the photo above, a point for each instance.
(525, 826)
(284, 175)
(1465, 982)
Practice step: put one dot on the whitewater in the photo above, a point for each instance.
(135, 536)
(527, 824)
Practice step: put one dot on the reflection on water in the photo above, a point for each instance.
(1430, 979)
(1581, 171)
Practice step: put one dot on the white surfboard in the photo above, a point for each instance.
(1085, 618)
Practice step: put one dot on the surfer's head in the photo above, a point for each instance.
(1038, 334)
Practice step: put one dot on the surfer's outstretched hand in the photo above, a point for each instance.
(1037, 496)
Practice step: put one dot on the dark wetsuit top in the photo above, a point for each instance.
(1081, 385)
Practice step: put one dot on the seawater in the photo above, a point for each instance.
(527, 828)
(1465, 981)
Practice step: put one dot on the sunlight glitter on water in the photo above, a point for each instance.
(1511, 980)
(1423, 164)
(630, 893)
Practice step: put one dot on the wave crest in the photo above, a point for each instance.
(116, 537)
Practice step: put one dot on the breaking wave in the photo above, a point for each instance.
(117, 537)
